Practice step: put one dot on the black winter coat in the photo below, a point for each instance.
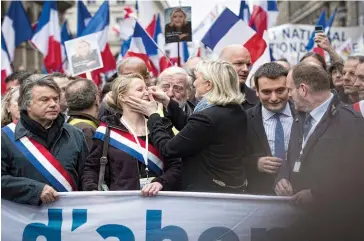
(211, 145)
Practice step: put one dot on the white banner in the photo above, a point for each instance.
(289, 40)
(127, 216)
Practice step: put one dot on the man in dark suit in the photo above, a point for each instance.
(269, 128)
(325, 157)
(239, 57)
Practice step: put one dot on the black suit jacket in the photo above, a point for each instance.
(251, 98)
(333, 154)
(258, 146)
(211, 146)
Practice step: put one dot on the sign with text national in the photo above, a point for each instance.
(127, 216)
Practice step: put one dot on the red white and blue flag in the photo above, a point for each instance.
(65, 36)
(263, 15)
(126, 142)
(5, 65)
(42, 160)
(145, 48)
(99, 25)
(47, 37)
(83, 17)
(228, 29)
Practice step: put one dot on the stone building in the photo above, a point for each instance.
(349, 13)
(26, 57)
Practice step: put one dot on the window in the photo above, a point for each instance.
(91, 2)
(120, 2)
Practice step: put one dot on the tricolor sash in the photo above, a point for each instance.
(125, 142)
(42, 160)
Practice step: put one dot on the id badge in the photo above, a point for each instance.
(297, 166)
(145, 181)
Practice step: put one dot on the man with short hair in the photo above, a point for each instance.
(325, 156)
(239, 57)
(41, 155)
(269, 128)
(349, 79)
(83, 106)
(283, 62)
(131, 65)
(62, 81)
(16, 78)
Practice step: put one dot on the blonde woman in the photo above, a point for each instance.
(212, 143)
(178, 29)
(9, 107)
(133, 161)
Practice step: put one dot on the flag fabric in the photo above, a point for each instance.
(47, 37)
(172, 49)
(5, 64)
(244, 12)
(321, 21)
(152, 26)
(160, 41)
(83, 17)
(65, 36)
(16, 27)
(263, 15)
(125, 27)
(99, 24)
(330, 22)
(144, 47)
(228, 29)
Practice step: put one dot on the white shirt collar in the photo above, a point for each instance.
(320, 110)
(267, 114)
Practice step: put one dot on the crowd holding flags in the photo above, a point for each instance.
(255, 18)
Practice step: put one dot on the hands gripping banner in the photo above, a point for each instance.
(127, 216)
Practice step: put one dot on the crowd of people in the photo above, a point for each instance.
(297, 132)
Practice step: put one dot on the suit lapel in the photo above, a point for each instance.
(258, 127)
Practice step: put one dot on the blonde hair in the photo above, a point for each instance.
(5, 114)
(225, 82)
(176, 10)
(120, 86)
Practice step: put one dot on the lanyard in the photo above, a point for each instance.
(143, 151)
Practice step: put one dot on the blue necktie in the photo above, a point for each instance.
(279, 150)
(307, 125)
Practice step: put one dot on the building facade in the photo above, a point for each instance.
(349, 13)
(26, 56)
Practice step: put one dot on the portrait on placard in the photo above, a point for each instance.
(84, 54)
(178, 24)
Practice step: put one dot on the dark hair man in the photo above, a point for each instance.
(40, 155)
(269, 128)
(83, 107)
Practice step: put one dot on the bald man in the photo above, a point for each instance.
(192, 62)
(239, 57)
(132, 65)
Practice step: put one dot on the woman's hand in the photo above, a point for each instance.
(143, 107)
(151, 189)
(159, 95)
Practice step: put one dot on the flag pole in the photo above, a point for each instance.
(178, 55)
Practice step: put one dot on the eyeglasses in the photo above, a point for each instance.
(175, 88)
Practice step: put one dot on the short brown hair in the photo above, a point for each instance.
(311, 74)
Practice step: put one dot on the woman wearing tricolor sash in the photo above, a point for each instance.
(212, 143)
(133, 161)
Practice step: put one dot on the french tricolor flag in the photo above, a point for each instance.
(15, 27)
(83, 17)
(99, 24)
(263, 15)
(230, 29)
(5, 65)
(144, 47)
(65, 36)
(47, 37)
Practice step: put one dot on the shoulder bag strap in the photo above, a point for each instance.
(103, 161)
